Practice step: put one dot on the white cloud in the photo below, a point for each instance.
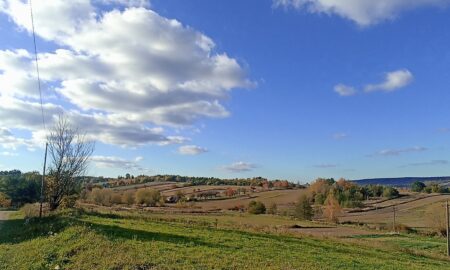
(9, 141)
(240, 166)
(344, 90)
(109, 129)
(393, 80)
(128, 3)
(362, 12)
(340, 136)
(326, 166)
(397, 152)
(428, 163)
(8, 154)
(117, 162)
(191, 150)
(121, 74)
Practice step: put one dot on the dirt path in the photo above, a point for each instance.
(3, 216)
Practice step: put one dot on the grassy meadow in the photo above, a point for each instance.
(82, 240)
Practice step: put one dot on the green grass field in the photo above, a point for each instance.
(107, 241)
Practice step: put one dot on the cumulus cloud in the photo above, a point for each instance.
(362, 12)
(9, 141)
(393, 80)
(240, 166)
(122, 73)
(191, 150)
(117, 162)
(397, 152)
(109, 129)
(344, 90)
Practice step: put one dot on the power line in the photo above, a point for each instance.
(37, 64)
(42, 108)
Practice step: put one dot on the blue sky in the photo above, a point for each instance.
(299, 89)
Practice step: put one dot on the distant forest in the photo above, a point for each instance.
(402, 181)
(195, 181)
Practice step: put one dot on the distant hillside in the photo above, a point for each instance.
(402, 181)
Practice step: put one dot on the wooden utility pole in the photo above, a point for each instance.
(448, 225)
(395, 229)
(43, 182)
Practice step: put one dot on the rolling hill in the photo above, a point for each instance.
(402, 181)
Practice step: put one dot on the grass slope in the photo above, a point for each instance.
(100, 241)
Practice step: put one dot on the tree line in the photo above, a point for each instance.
(198, 181)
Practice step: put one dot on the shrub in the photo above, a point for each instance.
(128, 197)
(390, 192)
(116, 198)
(303, 209)
(319, 199)
(238, 207)
(256, 208)
(31, 210)
(101, 196)
(417, 186)
(229, 192)
(68, 202)
(180, 196)
(149, 197)
(332, 208)
(4, 200)
(402, 228)
(272, 209)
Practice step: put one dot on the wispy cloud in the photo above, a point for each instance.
(191, 150)
(8, 154)
(444, 130)
(240, 166)
(326, 166)
(397, 152)
(340, 136)
(345, 90)
(429, 163)
(362, 12)
(118, 163)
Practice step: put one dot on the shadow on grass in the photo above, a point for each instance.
(14, 231)
(114, 232)
(19, 230)
(200, 225)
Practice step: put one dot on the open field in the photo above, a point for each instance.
(283, 198)
(410, 211)
(135, 241)
(195, 189)
(155, 185)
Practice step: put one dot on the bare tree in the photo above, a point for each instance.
(69, 153)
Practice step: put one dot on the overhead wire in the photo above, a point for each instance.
(37, 64)
(42, 106)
